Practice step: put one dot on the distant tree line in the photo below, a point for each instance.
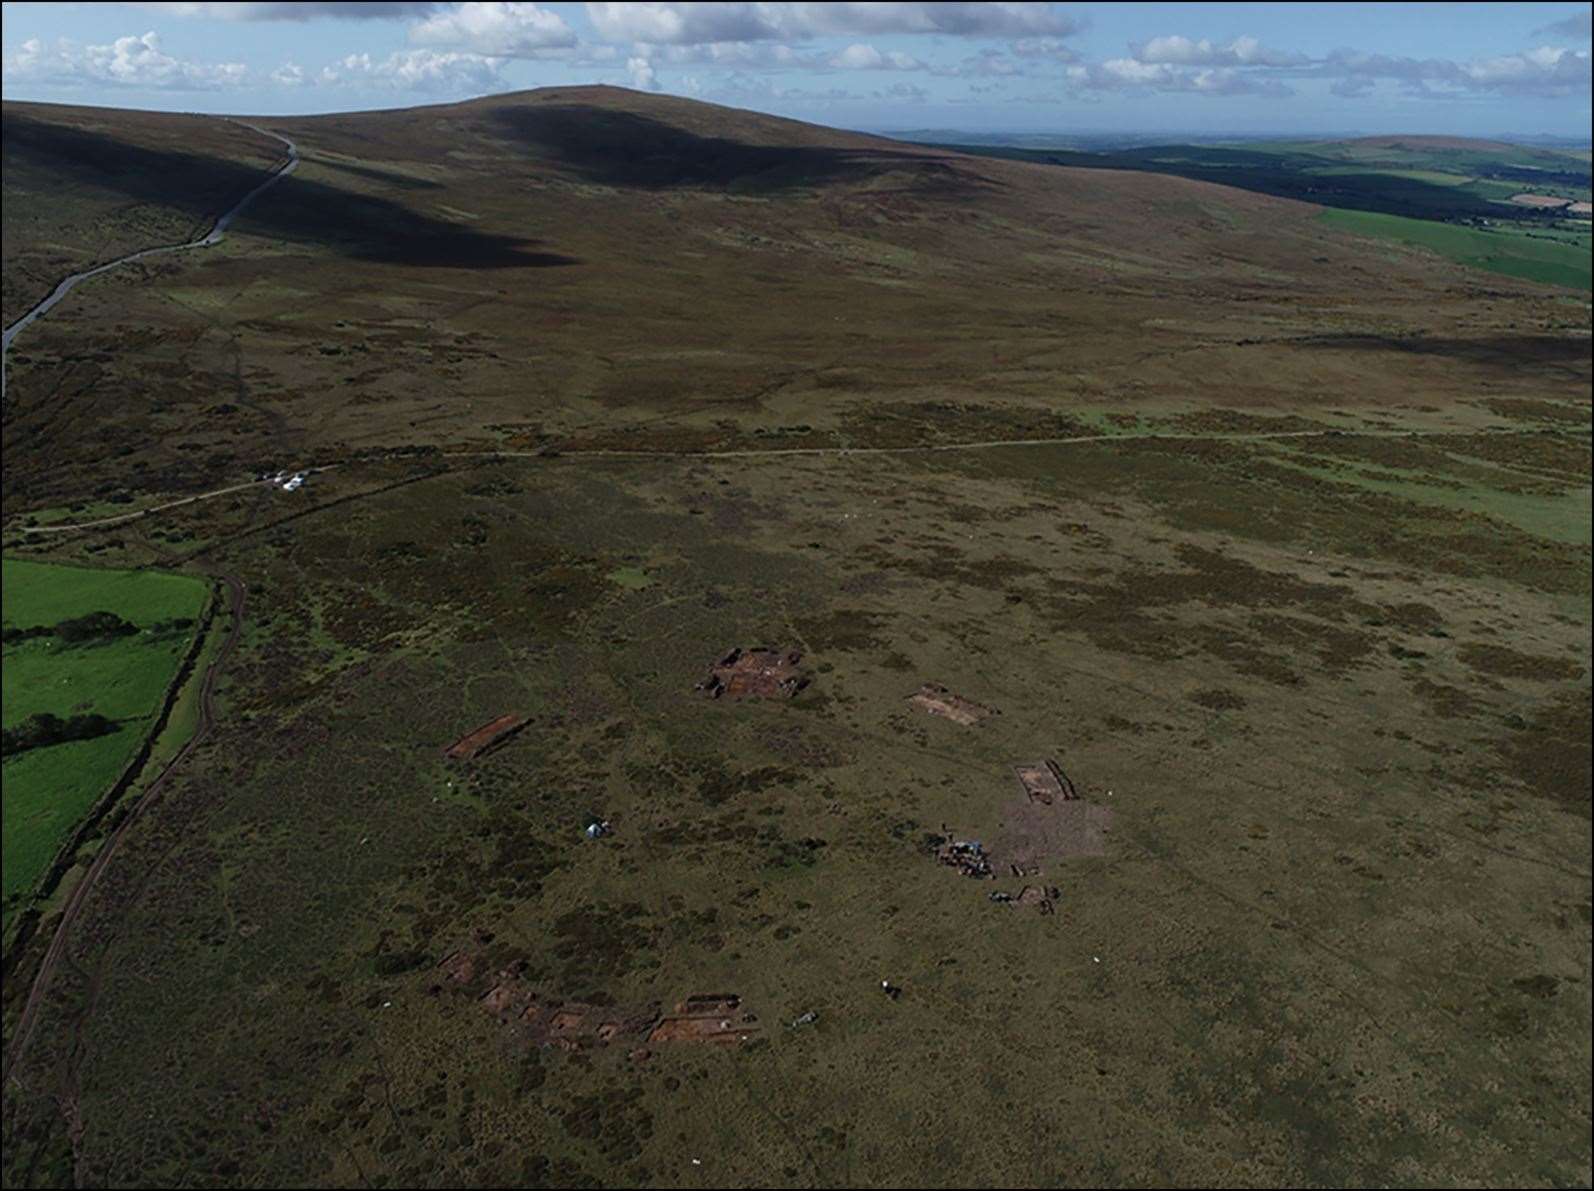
(44, 729)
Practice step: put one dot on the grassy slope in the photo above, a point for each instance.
(1341, 919)
(109, 199)
(1499, 251)
(1402, 179)
(46, 790)
(583, 259)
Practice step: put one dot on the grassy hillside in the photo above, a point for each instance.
(1512, 251)
(703, 271)
(77, 197)
(1450, 181)
(1271, 536)
(48, 789)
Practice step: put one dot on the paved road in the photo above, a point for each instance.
(207, 710)
(214, 236)
(80, 892)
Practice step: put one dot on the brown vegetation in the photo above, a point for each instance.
(1322, 796)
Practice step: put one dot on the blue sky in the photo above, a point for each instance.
(1464, 69)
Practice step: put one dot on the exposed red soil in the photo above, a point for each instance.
(474, 743)
(1045, 782)
(758, 673)
(707, 1019)
(573, 1025)
(937, 700)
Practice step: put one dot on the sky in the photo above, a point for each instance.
(1515, 69)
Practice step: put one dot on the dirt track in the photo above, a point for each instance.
(74, 902)
(774, 452)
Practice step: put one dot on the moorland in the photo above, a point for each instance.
(1514, 209)
(1274, 536)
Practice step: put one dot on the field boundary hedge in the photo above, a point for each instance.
(101, 813)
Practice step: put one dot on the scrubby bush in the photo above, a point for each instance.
(95, 626)
(39, 731)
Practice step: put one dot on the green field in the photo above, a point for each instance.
(1451, 196)
(1554, 262)
(48, 789)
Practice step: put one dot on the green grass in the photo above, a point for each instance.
(44, 593)
(47, 790)
(1437, 177)
(1552, 262)
(1559, 517)
(630, 577)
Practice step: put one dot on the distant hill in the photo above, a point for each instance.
(614, 136)
(1428, 142)
(1515, 209)
(550, 259)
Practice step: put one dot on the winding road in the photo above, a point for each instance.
(214, 236)
(206, 704)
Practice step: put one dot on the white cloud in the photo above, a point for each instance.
(902, 93)
(1242, 51)
(642, 76)
(1244, 66)
(137, 62)
(688, 24)
(1224, 81)
(735, 54)
(988, 63)
(1134, 72)
(740, 88)
(496, 30)
(865, 57)
(962, 20)
(295, 12)
(1352, 88)
(682, 24)
(1549, 72)
(1043, 47)
(1118, 74)
(289, 74)
(430, 71)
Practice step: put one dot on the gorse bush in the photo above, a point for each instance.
(38, 731)
(94, 626)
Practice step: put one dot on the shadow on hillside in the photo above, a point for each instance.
(298, 210)
(615, 148)
(1506, 351)
(1291, 176)
(386, 177)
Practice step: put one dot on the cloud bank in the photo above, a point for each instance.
(1017, 50)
